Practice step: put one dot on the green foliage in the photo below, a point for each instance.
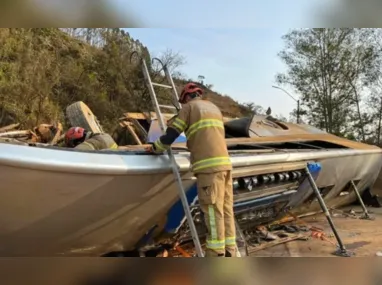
(42, 71)
(330, 70)
(251, 108)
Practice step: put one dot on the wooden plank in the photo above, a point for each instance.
(9, 127)
(132, 132)
(252, 249)
(16, 134)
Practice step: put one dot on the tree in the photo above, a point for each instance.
(42, 71)
(280, 117)
(201, 79)
(375, 106)
(173, 60)
(374, 100)
(251, 108)
(329, 69)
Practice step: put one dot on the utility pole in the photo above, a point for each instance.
(298, 102)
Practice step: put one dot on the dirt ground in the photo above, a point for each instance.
(362, 237)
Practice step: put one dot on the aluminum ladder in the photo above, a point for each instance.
(157, 106)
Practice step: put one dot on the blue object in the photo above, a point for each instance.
(176, 215)
(181, 139)
(314, 167)
(155, 132)
(305, 190)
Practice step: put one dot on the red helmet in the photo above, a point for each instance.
(189, 88)
(74, 136)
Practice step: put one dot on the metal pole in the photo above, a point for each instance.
(342, 250)
(181, 191)
(242, 250)
(298, 102)
(366, 215)
(298, 111)
(174, 93)
(153, 97)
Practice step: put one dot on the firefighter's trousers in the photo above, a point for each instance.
(215, 195)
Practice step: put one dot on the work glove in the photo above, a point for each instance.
(151, 149)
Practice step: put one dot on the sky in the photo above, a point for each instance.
(240, 63)
(222, 14)
(234, 44)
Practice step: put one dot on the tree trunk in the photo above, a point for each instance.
(379, 124)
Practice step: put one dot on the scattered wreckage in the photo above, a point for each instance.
(62, 202)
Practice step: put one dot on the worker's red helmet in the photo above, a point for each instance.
(74, 136)
(189, 88)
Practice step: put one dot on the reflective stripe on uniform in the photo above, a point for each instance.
(113, 146)
(180, 125)
(215, 244)
(206, 123)
(160, 146)
(230, 241)
(211, 162)
(212, 241)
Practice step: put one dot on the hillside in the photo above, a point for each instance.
(44, 70)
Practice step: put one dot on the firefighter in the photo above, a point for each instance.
(81, 139)
(203, 125)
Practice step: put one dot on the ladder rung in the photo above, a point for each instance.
(167, 106)
(162, 85)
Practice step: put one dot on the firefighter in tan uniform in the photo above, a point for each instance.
(203, 125)
(81, 139)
